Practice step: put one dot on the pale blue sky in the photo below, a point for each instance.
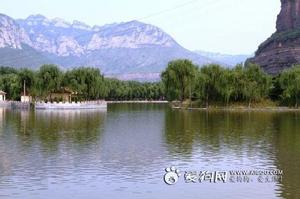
(226, 26)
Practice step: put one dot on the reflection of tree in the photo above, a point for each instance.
(42, 140)
(215, 131)
(179, 131)
(129, 107)
(263, 137)
(131, 141)
(51, 127)
(287, 144)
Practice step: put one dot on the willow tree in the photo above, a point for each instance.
(239, 82)
(227, 85)
(290, 84)
(49, 79)
(257, 83)
(86, 81)
(209, 78)
(178, 79)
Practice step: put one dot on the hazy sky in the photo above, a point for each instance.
(226, 26)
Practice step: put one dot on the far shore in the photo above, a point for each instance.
(138, 102)
(4, 104)
(263, 109)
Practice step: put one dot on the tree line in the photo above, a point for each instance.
(88, 84)
(180, 81)
(212, 83)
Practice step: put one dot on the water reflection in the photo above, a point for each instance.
(132, 141)
(216, 131)
(49, 154)
(37, 145)
(287, 144)
(51, 127)
(238, 140)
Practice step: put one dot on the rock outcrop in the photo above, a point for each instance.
(282, 49)
(289, 16)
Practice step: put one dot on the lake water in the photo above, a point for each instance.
(123, 153)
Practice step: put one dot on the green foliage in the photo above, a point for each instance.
(226, 85)
(88, 83)
(257, 83)
(49, 79)
(289, 81)
(29, 78)
(7, 70)
(213, 83)
(179, 78)
(131, 90)
(11, 85)
(210, 77)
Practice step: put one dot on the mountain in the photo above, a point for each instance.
(228, 60)
(15, 47)
(117, 49)
(282, 49)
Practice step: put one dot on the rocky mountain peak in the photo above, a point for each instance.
(11, 35)
(289, 16)
(81, 25)
(37, 17)
(282, 49)
(58, 22)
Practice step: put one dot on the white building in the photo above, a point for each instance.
(2, 96)
(26, 98)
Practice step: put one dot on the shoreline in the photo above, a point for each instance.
(138, 102)
(245, 109)
(20, 105)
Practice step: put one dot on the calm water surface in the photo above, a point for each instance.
(122, 153)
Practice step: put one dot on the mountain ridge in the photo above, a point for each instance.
(229, 60)
(119, 48)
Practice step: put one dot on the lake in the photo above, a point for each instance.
(123, 153)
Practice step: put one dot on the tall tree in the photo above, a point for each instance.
(290, 84)
(86, 81)
(179, 78)
(49, 79)
(226, 85)
(211, 74)
(257, 85)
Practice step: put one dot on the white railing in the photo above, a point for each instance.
(71, 105)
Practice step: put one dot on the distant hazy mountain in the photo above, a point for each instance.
(15, 45)
(229, 60)
(122, 48)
